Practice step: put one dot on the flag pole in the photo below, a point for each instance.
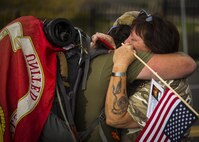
(166, 84)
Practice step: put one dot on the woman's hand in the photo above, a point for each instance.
(123, 57)
(105, 37)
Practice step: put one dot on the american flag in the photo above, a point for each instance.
(169, 121)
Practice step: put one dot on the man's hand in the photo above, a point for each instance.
(104, 37)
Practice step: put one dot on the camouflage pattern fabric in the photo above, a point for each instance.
(138, 101)
(126, 18)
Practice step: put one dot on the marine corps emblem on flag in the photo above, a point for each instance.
(28, 76)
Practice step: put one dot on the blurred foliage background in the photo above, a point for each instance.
(99, 15)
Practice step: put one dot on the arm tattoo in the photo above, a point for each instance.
(122, 102)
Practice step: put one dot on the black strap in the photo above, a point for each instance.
(102, 134)
(66, 99)
(86, 69)
(83, 135)
(73, 93)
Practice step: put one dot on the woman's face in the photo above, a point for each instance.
(136, 41)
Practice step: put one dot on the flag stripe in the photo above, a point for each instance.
(167, 115)
(163, 136)
(161, 117)
(165, 139)
(148, 126)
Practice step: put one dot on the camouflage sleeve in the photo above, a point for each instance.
(138, 101)
(136, 67)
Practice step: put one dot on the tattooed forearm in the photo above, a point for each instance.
(119, 105)
(122, 104)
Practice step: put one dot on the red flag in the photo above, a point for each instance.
(28, 76)
(169, 121)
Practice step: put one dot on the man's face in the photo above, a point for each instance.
(136, 41)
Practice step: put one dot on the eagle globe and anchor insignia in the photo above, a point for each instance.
(2, 124)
